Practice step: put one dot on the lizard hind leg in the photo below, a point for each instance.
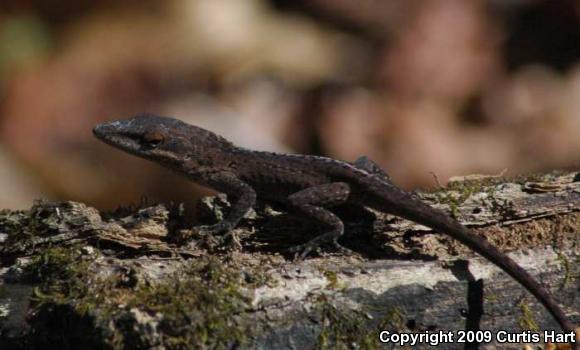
(364, 163)
(313, 202)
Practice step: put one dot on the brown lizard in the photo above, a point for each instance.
(307, 184)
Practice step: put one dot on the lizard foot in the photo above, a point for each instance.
(342, 250)
(303, 250)
(207, 234)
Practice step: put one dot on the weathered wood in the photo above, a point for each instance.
(72, 276)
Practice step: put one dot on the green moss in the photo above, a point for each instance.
(538, 177)
(44, 219)
(197, 307)
(343, 329)
(456, 194)
(52, 263)
(77, 292)
(67, 302)
(194, 308)
(569, 274)
(527, 320)
(14, 224)
(567, 271)
(332, 278)
(64, 276)
(59, 272)
(491, 297)
(452, 200)
(394, 319)
(353, 329)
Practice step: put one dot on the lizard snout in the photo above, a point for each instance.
(103, 130)
(100, 130)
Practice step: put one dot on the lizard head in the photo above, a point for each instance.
(165, 140)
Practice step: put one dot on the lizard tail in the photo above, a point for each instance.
(424, 214)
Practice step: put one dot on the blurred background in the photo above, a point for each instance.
(423, 87)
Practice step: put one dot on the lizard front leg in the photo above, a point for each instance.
(241, 196)
(312, 202)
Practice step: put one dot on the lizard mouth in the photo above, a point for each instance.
(111, 134)
(105, 130)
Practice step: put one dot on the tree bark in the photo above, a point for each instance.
(74, 277)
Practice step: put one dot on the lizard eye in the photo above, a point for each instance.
(153, 139)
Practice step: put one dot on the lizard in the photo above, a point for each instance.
(307, 184)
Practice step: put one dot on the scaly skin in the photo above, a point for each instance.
(307, 184)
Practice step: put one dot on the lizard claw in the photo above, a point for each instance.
(342, 250)
(303, 250)
(208, 234)
(220, 235)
